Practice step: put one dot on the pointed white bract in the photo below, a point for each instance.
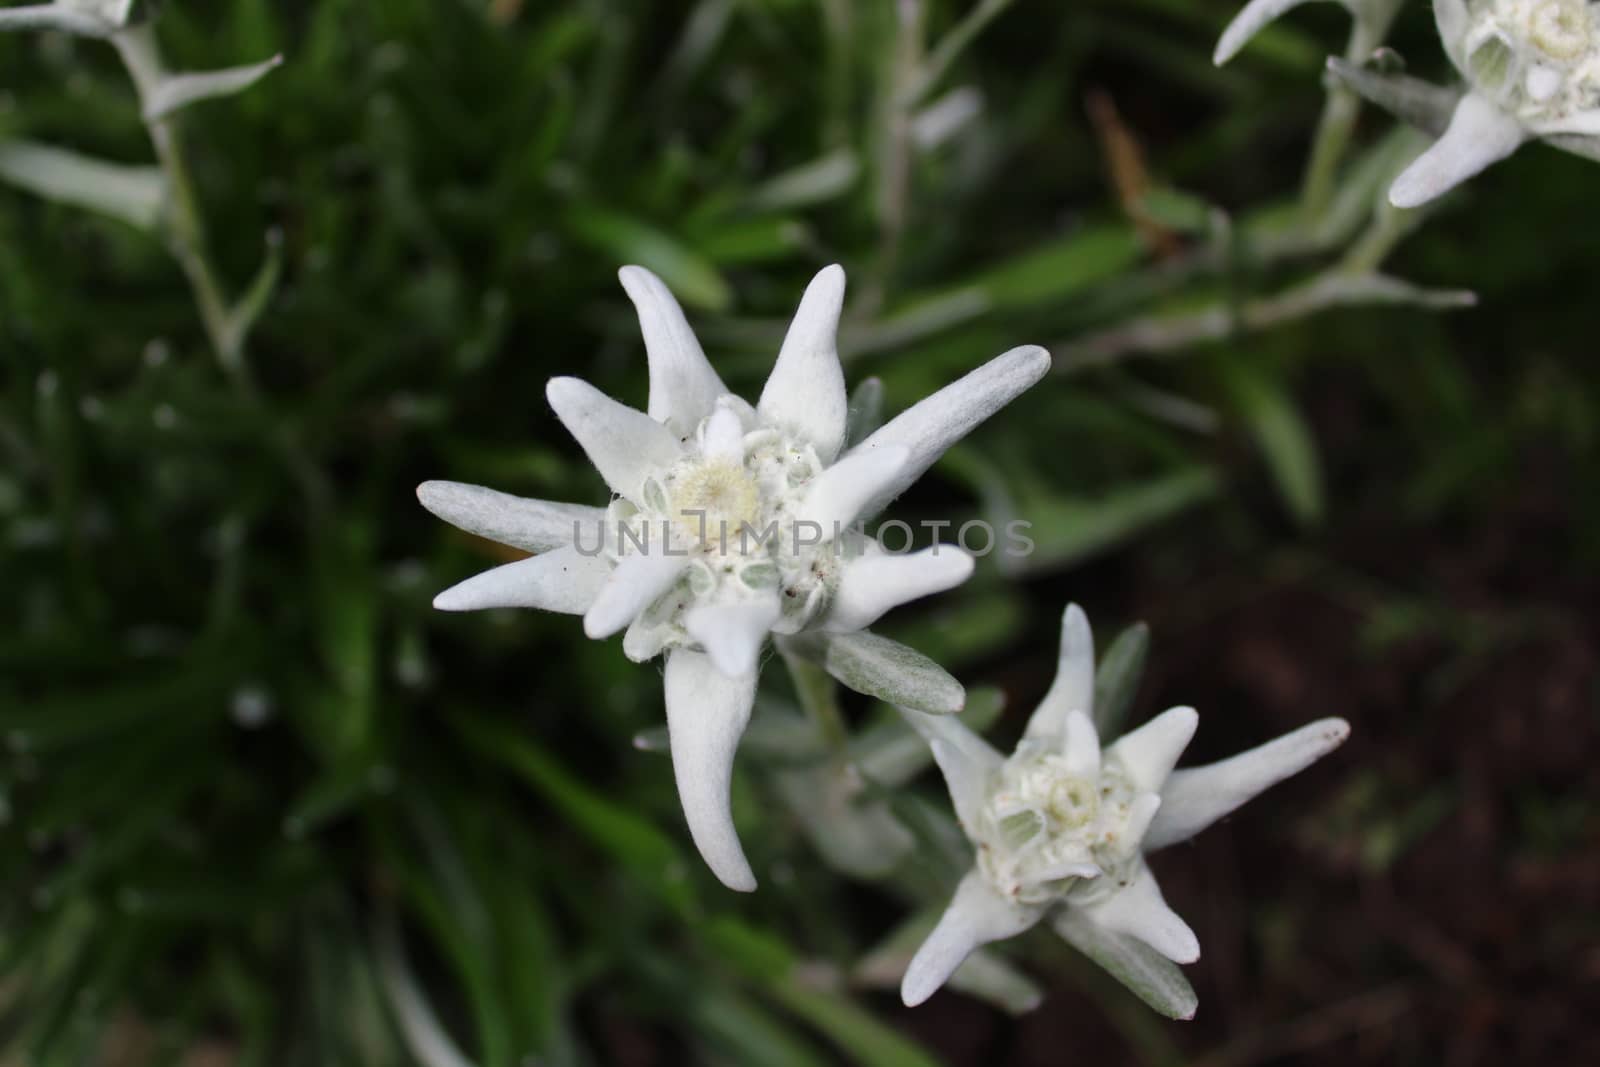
(706, 715)
(1480, 134)
(733, 522)
(1062, 825)
(85, 18)
(1247, 23)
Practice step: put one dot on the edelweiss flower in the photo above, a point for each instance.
(729, 522)
(1533, 71)
(1062, 825)
(1372, 18)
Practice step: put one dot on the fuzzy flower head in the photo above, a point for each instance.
(1533, 72)
(729, 522)
(1061, 828)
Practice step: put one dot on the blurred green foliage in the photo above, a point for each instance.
(260, 798)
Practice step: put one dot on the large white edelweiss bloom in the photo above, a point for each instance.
(728, 522)
(1062, 826)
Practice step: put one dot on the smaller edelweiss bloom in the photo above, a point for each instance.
(1533, 71)
(1063, 824)
(729, 522)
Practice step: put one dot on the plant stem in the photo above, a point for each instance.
(819, 696)
(1339, 112)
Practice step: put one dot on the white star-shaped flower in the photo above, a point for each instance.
(1533, 72)
(728, 522)
(1063, 827)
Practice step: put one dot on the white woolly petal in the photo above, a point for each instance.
(724, 436)
(835, 497)
(1073, 688)
(1581, 124)
(976, 916)
(805, 392)
(1139, 910)
(1140, 814)
(930, 427)
(1247, 23)
(626, 446)
(1081, 747)
(874, 583)
(683, 387)
(967, 761)
(1455, 22)
(1149, 753)
(1479, 135)
(633, 586)
(559, 580)
(531, 525)
(1196, 797)
(732, 634)
(706, 715)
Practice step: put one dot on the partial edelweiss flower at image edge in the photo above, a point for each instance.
(1062, 827)
(1532, 69)
(728, 523)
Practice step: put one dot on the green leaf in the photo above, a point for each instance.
(1152, 977)
(691, 277)
(891, 753)
(1116, 682)
(1283, 437)
(891, 672)
(177, 91)
(133, 194)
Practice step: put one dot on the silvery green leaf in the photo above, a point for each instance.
(113, 11)
(1412, 100)
(986, 974)
(1152, 977)
(1117, 679)
(243, 315)
(810, 183)
(134, 194)
(64, 18)
(893, 673)
(892, 754)
(176, 91)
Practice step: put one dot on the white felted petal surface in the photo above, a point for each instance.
(732, 634)
(706, 715)
(874, 583)
(531, 525)
(1141, 813)
(1454, 22)
(633, 586)
(724, 436)
(1196, 797)
(683, 386)
(625, 446)
(930, 427)
(976, 916)
(1149, 753)
(1081, 745)
(805, 392)
(836, 496)
(1479, 135)
(559, 580)
(1139, 910)
(1247, 23)
(967, 761)
(1073, 687)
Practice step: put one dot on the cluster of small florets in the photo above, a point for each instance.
(730, 504)
(1049, 830)
(1536, 58)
